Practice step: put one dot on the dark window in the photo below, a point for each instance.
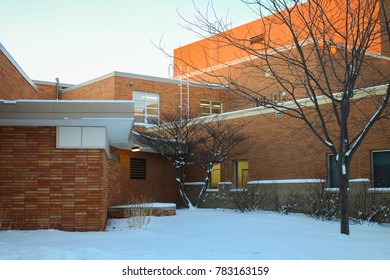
(137, 168)
(381, 169)
(333, 176)
(257, 39)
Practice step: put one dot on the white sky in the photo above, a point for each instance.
(78, 40)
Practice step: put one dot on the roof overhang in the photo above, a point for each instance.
(117, 116)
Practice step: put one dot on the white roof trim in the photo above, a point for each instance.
(116, 115)
(141, 77)
(12, 60)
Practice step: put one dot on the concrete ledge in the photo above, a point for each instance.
(157, 209)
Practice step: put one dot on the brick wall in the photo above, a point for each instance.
(159, 185)
(46, 92)
(283, 148)
(103, 89)
(117, 87)
(45, 187)
(13, 85)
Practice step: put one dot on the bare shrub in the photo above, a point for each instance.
(3, 216)
(369, 206)
(292, 203)
(322, 204)
(249, 199)
(139, 212)
(289, 204)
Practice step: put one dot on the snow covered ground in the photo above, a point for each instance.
(205, 234)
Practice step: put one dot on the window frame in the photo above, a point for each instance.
(210, 107)
(373, 169)
(145, 115)
(328, 163)
(236, 174)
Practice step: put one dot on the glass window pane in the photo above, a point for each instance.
(146, 103)
(139, 111)
(151, 111)
(333, 176)
(151, 103)
(139, 119)
(208, 107)
(215, 111)
(216, 104)
(381, 169)
(205, 110)
(139, 103)
(204, 103)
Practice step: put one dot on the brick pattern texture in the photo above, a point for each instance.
(13, 85)
(45, 187)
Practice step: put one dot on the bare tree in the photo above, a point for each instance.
(317, 55)
(222, 140)
(176, 138)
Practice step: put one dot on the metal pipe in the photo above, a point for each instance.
(57, 89)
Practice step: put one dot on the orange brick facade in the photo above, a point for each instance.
(45, 187)
(283, 148)
(13, 85)
(42, 186)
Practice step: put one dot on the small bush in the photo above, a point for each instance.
(289, 204)
(249, 199)
(139, 213)
(370, 207)
(321, 204)
(292, 203)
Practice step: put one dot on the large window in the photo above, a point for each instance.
(147, 107)
(208, 107)
(381, 169)
(241, 171)
(333, 176)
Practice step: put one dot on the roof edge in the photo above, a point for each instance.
(140, 77)
(17, 66)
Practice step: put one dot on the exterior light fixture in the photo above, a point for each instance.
(333, 49)
(135, 149)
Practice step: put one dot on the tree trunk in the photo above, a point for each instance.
(203, 190)
(344, 203)
(180, 175)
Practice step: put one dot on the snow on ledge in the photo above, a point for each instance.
(359, 180)
(238, 190)
(286, 181)
(193, 183)
(379, 189)
(154, 205)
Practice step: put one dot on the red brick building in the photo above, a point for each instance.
(66, 152)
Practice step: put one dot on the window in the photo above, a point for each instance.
(147, 107)
(333, 176)
(241, 171)
(208, 107)
(278, 97)
(258, 39)
(215, 176)
(137, 168)
(381, 169)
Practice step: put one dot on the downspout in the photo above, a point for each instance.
(57, 89)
